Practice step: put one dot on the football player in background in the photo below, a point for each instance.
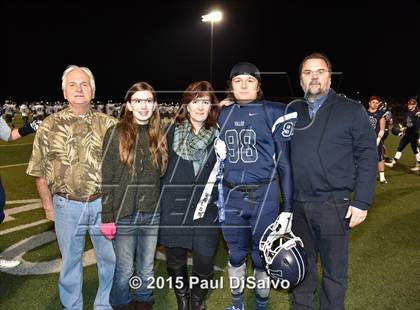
(39, 111)
(389, 122)
(24, 110)
(9, 111)
(411, 135)
(377, 120)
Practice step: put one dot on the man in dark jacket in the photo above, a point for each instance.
(333, 155)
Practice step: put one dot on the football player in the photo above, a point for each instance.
(9, 112)
(109, 108)
(58, 106)
(49, 108)
(377, 120)
(39, 111)
(100, 106)
(389, 122)
(24, 110)
(411, 134)
(256, 133)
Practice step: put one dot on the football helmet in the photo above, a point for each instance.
(283, 256)
(383, 106)
(398, 130)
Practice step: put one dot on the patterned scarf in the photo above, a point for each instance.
(189, 146)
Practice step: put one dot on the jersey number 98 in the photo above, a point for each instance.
(241, 145)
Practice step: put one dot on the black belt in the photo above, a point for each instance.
(247, 188)
(81, 199)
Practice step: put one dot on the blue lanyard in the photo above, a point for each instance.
(220, 201)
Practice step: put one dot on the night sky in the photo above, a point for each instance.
(166, 44)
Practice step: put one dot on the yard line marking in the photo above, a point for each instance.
(18, 250)
(24, 208)
(11, 211)
(15, 165)
(17, 144)
(11, 202)
(21, 227)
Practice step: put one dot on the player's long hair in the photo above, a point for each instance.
(129, 131)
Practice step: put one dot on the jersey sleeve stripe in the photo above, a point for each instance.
(283, 118)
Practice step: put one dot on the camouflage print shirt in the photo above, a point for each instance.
(67, 151)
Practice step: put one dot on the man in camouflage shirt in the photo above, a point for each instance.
(66, 160)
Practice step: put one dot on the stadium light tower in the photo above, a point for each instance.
(213, 17)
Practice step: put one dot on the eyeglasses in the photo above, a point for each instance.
(319, 72)
(138, 101)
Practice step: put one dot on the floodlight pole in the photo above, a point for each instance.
(212, 17)
(211, 53)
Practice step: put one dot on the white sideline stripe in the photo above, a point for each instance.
(24, 208)
(16, 210)
(17, 144)
(8, 218)
(11, 202)
(21, 227)
(15, 165)
(18, 250)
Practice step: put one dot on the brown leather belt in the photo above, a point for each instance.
(81, 199)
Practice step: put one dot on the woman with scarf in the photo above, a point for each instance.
(191, 160)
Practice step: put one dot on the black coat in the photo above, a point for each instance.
(180, 193)
(336, 155)
(123, 194)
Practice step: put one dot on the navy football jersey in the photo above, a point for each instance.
(417, 120)
(374, 118)
(250, 131)
(412, 118)
(388, 120)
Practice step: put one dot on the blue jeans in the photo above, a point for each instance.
(134, 246)
(72, 220)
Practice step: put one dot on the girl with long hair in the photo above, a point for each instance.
(135, 157)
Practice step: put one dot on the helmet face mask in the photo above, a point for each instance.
(398, 130)
(283, 256)
(383, 106)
